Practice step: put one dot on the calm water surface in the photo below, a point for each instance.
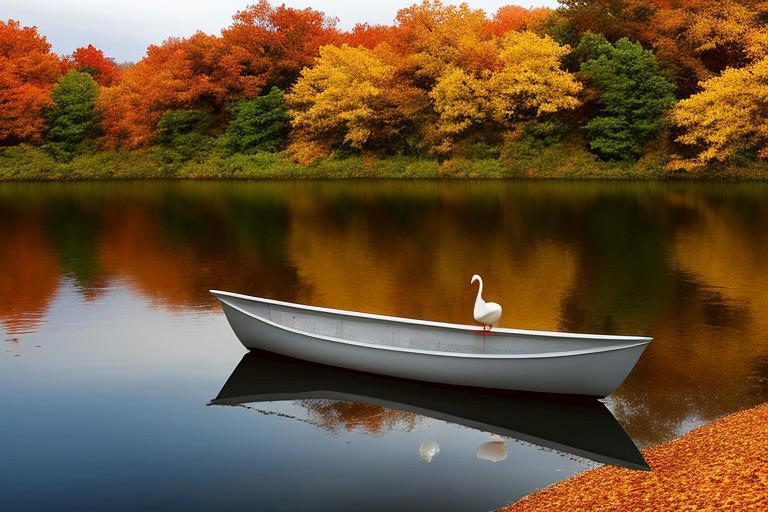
(113, 350)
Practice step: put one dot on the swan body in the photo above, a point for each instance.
(486, 313)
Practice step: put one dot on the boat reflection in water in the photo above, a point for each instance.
(582, 427)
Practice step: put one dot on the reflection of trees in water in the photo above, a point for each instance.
(227, 243)
(422, 267)
(29, 273)
(759, 376)
(255, 222)
(685, 263)
(170, 243)
(332, 415)
(713, 329)
(608, 259)
(624, 273)
(73, 225)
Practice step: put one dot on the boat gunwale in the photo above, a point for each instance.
(430, 323)
(641, 341)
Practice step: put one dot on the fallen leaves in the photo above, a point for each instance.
(720, 466)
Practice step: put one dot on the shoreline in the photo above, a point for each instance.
(560, 162)
(722, 465)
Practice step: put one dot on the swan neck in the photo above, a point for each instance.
(480, 290)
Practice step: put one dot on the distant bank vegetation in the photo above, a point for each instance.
(595, 88)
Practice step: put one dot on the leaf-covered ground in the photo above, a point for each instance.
(720, 466)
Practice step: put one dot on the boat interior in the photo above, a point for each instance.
(420, 335)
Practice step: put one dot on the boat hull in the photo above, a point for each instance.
(572, 364)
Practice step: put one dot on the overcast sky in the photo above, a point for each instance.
(124, 28)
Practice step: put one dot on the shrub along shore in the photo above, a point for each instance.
(560, 161)
(720, 466)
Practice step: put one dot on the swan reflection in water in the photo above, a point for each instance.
(428, 450)
(494, 450)
(581, 427)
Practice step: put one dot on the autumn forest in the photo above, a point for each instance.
(593, 88)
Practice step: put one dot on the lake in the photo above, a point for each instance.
(117, 364)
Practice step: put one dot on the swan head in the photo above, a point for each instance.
(475, 278)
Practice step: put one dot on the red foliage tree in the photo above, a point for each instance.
(277, 42)
(370, 36)
(28, 72)
(91, 60)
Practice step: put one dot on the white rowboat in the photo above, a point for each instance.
(511, 359)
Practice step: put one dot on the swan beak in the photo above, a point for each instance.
(474, 278)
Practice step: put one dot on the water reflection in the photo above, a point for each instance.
(29, 273)
(681, 262)
(579, 427)
(494, 450)
(352, 416)
(428, 450)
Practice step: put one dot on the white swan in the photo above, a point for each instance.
(486, 313)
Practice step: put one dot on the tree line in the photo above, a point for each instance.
(689, 77)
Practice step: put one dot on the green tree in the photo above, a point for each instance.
(72, 119)
(634, 94)
(591, 46)
(183, 134)
(259, 124)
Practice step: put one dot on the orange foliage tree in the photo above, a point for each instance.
(370, 36)
(199, 72)
(514, 17)
(697, 39)
(277, 42)
(28, 72)
(91, 60)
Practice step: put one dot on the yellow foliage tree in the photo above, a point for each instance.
(730, 114)
(435, 38)
(342, 98)
(460, 100)
(527, 82)
(530, 80)
(729, 32)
